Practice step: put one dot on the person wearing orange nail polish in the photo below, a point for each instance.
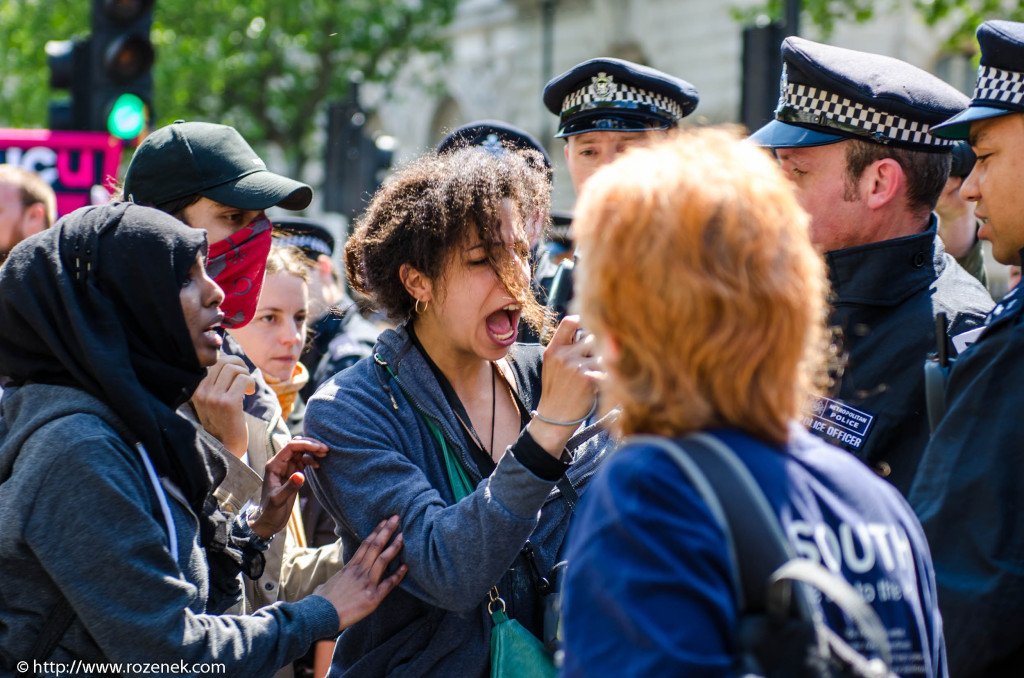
(114, 549)
(209, 177)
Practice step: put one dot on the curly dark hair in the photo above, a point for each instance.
(430, 207)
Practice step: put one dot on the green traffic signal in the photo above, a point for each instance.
(120, 81)
(127, 117)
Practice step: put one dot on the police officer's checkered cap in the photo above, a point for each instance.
(304, 242)
(1001, 73)
(493, 136)
(996, 86)
(827, 107)
(620, 92)
(861, 95)
(1000, 87)
(638, 95)
(312, 237)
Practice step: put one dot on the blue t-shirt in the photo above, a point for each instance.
(648, 589)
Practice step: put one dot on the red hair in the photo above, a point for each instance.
(695, 259)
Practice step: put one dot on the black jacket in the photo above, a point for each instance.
(885, 297)
(969, 495)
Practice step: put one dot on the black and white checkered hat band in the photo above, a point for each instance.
(306, 242)
(603, 89)
(817, 106)
(559, 232)
(995, 84)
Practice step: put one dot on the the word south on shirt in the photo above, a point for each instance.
(648, 588)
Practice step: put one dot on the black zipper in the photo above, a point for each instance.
(539, 580)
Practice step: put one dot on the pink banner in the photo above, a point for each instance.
(81, 166)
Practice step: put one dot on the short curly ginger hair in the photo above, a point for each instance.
(695, 259)
(430, 208)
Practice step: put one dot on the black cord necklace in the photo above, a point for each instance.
(472, 439)
(494, 420)
(494, 409)
(463, 416)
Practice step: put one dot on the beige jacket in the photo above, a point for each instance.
(292, 571)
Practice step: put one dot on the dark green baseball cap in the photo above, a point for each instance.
(214, 161)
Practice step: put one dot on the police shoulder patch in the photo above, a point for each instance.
(838, 423)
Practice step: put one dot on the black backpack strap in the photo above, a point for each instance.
(764, 565)
(53, 630)
(568, 492)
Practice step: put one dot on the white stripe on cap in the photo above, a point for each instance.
(995, 84)
(827, 106)
(603, 88)
(305, 241)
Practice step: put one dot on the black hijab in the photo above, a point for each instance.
(94, 303)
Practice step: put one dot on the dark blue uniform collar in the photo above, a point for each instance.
(886, 273)
(1009, 302)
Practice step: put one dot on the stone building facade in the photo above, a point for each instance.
(500, 62)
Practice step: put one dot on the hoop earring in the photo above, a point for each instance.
(420, 311)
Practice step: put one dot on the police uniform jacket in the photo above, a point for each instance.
(885, 297)
(969, 495)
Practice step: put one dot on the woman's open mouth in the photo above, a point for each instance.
(212, 334)
(503, 324)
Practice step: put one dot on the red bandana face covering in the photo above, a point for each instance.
(238, 264)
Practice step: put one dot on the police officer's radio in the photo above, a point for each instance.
(936, 373)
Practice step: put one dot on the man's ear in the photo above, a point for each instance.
(883, 180)
(325, 269)
(416, 284)
(34, 219)
(324, 264)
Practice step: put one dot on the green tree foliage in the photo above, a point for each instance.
(25, 26)
(266, 67)
(963, 15)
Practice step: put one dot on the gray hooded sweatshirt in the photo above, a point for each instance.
(81, 519)
(384, 461)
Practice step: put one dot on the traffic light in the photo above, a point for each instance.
(380, 150)
(762, 70)
(68, 61)
(121, 57)
(356, 161)
(344, 133)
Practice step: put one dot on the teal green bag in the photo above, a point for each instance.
(515, 652)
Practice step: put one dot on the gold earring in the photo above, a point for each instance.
(420, 311)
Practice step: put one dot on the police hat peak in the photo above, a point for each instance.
(1000, 85)
(310, 236)
(829, 93)
(494, 136)
(615, 95)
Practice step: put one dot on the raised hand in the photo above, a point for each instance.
(569, 384)
(282, 478)
(218, 402)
